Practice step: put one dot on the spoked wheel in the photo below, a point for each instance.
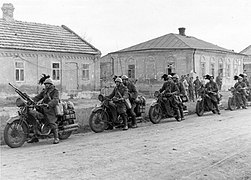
(98, 121)
(199, 108)
(15, 134)
(64, 135)
(231, 104)
(155, 113)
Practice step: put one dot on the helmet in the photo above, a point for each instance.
(118, 80)
(176, 76)
(245, 75)
(48, 81)
(124, 77)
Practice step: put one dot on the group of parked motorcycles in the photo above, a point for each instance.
(103, 117)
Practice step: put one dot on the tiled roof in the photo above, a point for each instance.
(247, 50)
(43, 37)
(174, 41)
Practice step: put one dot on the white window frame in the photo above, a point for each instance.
(56, 70)
(86, 71)
(19, 70)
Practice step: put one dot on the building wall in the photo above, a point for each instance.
(151, 65)
(37, 63)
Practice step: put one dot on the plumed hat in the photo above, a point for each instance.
(236, 77)
(43, 78)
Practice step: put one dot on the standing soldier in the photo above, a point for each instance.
(181, 89)
(191, 89)
(169, 88)
(197, 85)
(133, 94)
(119, 94)
(219, 81)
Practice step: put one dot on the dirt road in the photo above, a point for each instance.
(208, 147)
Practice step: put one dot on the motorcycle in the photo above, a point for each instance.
(232, 101)
(105, 116)
(158, 109)
(202, 105)
(21, 127)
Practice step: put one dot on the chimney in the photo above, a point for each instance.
(182, 31)
(8, 10)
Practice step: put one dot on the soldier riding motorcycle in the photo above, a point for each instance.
(31, 121)
(210, 98)
(106, 116)
(166, 103)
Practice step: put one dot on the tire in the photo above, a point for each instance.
(98, 121)
(231, 104)
(15, 134)
(199, 108)
(155, 113)
(65, 135)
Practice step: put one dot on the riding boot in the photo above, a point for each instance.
(34, 139)
(182, 114)
(177, 115)
(134, 123)
(55, 133)
(125, 122)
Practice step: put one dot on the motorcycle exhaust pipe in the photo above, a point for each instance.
(70, 126)
(70, 129)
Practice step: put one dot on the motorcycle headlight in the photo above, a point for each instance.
(101, 97)
(20, 102)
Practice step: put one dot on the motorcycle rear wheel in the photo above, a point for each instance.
(65, 135)
(155, 113)
(15, 134)
(199, 108)
(98, 121)
(231, 104)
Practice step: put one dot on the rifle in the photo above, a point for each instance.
(23, 95)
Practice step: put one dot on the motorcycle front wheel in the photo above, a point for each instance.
(98, 121)
(155, 113)
(15, 134)
(231, 104)
(199, 108)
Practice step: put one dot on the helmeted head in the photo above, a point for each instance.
(118, 81)
(124, 77)
(176, 76)
(240, 78)
(245, 76)
(48, 82)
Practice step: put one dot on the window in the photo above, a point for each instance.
(19, 66)
(212, 69)
(220, 70)
(131, 71)
(55, 71)
(203, 68)
(236, 67)
(228, 70)
(170, 68)
(85, 71)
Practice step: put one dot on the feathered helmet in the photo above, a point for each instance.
(43, 78)
(208, 77)
(236, 77)
(241, 75)
(164, 76)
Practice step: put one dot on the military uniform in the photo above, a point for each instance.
(212, 90)
(170, 87)
(118, 92)
(240, 95)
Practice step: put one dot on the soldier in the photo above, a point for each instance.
(119, 94)
(133, 94)
(191, 89)
(169, 88)
(212, 91)
(181, 89)
(219, 81)
(49, 95)
(240, 95)
(197, 85)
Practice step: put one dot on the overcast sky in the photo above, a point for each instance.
(111, 25)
